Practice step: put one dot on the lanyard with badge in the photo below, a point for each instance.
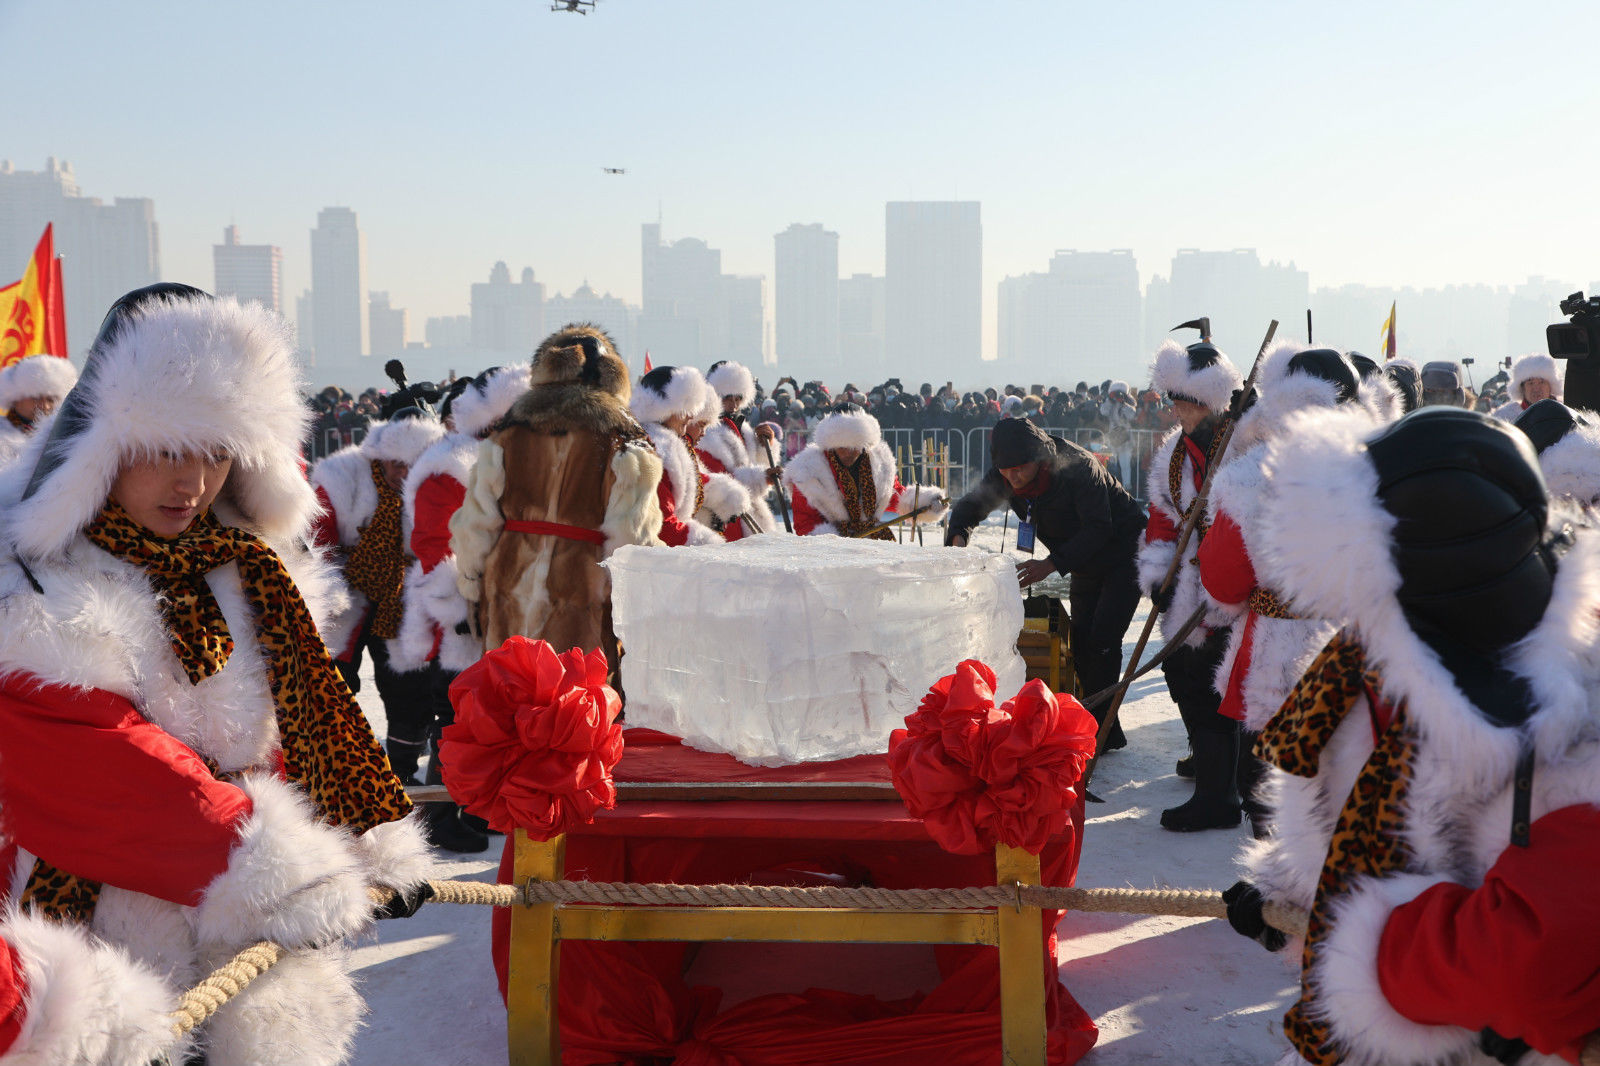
(1025, 531)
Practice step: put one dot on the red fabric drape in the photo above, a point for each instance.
(623, 1002)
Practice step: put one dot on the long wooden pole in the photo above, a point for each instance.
(783, 505)
(1189, 524)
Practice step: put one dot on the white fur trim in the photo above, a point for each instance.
(633, 514)
(1361, 1020)
(182, 375)
(678, 466)
(1571, 465)
(711, 410)
(37, 375)
(725, 498)
(856, 429)
(290, 878)
(401, 440)
(305, 1010)
(1282, 394)
(685, 395)
(12, 441)
(87, 1002)
(396, 854)
(1509, 411)
(914, 496)
(1534, 365)
(476, 410)
(452, 455)
(1380, 396)
(1324, 506)
(732, 379)
(411, 648)
(810, 473)
(477, 523)
(725, 444)
(1212, 386)
(346, 478)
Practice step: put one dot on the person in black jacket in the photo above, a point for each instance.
(1089, 527)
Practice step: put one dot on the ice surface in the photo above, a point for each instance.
(798, 649)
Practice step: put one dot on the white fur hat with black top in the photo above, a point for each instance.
(732, 379)
(1199, 373)
(37, 375)
(667, 391)
(846, 425)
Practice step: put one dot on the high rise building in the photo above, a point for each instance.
(339, 288)
(1079, 320)
(449, 331)
(807, 279)
(507, 316)
(386, 325)
(1240, 295)
(609, 312)
(693, 314)
(248, 271)
(933, 290)
(106, 250)
(861, 310)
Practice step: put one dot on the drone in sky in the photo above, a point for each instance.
(615, 170)
(579, 6)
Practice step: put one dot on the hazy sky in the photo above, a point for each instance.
(1378, 143)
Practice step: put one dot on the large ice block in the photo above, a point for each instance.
(783, 649)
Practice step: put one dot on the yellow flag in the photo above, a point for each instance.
(33, 318)
(1388, 334)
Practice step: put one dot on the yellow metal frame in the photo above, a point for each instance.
(537, 932)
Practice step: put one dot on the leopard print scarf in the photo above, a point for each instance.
(1367, 837)
(377, 565)
(18, 422)
(699, 475)
(1175, 481)
(328, 747)
(860, 492)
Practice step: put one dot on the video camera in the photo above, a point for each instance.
(1578, 341)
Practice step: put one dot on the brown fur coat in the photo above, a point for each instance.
(567, 452)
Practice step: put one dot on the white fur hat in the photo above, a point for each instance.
(1199, 372)
(37, 375)
(732, 379)
(173, 370)
(486, 400)
(846, 426)
(711, 410)
(403, 438)
(668, 391)
(1534, 365)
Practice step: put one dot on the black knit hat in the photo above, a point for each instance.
(1018, 441)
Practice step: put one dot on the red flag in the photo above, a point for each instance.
(33, 314)
(647, 366)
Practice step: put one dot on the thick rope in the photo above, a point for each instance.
(202, 1001)
(205, 998)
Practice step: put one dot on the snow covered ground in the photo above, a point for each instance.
(1162, 990)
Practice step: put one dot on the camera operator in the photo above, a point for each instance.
(1090, 528)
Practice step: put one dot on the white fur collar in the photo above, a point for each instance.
(810, 473)
(726, 445)
(346, 476)
(679, 467)
(453, 456)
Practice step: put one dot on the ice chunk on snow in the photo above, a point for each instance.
(798, 649)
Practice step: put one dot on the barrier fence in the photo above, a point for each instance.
(919, 452)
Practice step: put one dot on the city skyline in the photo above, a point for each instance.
(1371, 145)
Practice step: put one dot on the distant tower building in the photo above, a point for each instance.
(684, 320)
(1240, 295)
(339, 287)
(807, 278)
(105, 250)
(449, 331)
(507, 316)
(609, 312)
(386, 325)
(933, 279)
(248, 271)
(861, 311)
(745, 297)
(1024, 322)
(305, 326)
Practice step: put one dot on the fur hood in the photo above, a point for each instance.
(584, 355)
(847, 429)
(1534, 365)
(732, 379)
(483, 403)
(37, 375)
(1172, 372)
(181, 374)
(1325, 506)
(402, 440)
(1571, 466)
(1283, 392)
(668, 391)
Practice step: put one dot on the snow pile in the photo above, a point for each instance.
(782, 649)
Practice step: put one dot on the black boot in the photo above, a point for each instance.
(447, 831)
(403, 758)
(1215, 803)
(1252, 771)
(1185, 766)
